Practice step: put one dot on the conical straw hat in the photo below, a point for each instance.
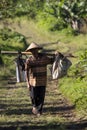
(33, 45)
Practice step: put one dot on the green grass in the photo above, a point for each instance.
(15, 107)
(76, 91)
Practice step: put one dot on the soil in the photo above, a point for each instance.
(57, 107)
(65, 109)
(60, 106)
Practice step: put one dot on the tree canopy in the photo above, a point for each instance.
(59, 14)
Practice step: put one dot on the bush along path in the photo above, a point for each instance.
(15, 109)
(61, 107)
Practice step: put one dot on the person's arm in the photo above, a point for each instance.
(27, 75)
(51, 59)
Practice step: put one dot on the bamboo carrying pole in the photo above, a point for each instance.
(24, 53)
(15, 52)
(29, 53)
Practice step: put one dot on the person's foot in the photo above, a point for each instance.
(38, 114)
(34, 111)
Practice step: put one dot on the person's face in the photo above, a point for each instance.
(34, 52)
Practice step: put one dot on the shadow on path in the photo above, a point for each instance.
(67, 126)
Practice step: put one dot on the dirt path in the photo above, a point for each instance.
(60, 106)
(56, 106)
(55, 103)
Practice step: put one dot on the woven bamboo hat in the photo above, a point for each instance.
(33, 45)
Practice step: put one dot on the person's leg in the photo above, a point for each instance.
(32, 97)
(40, 98)
(37, 95)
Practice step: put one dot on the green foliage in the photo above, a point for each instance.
(56, 15)
(10, 41)
(75, 86)
(83, 55)
(64, 14)
(75, 90)
(49, 22)
(19, 8)
(79, 70)
(8, 67)
(74, 9)
(46, 21)
(52, 16)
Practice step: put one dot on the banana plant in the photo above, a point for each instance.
(70, 12)
(73, 11)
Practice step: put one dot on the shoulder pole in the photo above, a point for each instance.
(24, 53)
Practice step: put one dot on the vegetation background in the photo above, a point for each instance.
(56, 25)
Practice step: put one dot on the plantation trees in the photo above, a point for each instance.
(57, 14)
(68, 12)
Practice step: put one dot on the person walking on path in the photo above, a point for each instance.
(36, 76)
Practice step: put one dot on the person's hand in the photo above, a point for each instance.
(56, 52)
(28, 85)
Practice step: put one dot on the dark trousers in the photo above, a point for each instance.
(37, 95)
